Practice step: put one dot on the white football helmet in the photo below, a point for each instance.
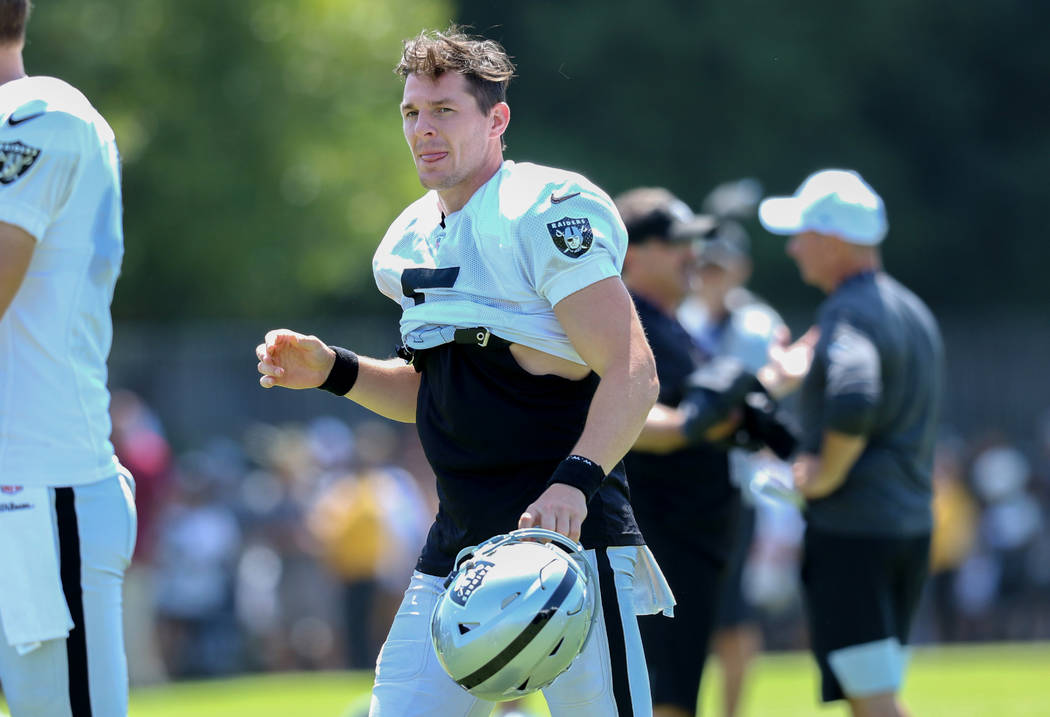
(515, 613)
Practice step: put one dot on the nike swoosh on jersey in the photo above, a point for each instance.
(14, 122)
(558, 200)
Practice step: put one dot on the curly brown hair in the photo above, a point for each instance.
(483, 62)
(13, 17)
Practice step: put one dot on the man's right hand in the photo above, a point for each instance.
(293, 360)
(561, 508)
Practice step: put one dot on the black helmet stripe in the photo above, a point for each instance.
(518, 644)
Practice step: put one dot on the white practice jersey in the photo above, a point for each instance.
(60, 182)
(528, 238)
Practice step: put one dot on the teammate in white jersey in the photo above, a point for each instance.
(67, 514)
(530, 375)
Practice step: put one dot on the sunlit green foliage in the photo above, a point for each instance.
(263, 156)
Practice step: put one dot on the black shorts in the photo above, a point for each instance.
(676, 649)
(860, 591)
(734, 608)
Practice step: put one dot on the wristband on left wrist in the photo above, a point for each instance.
(581, 473)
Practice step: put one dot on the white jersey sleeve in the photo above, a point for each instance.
(394, 254)
(37, 173)
(571, 243)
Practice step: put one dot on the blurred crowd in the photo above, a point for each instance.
(289, 549)
(286, 550)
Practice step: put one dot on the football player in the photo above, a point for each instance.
(67, 514)
(528, 375)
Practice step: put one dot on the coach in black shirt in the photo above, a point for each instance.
(869, 409)
(682, 496)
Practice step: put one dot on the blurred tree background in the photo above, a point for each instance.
(263, 155)
(263, 159)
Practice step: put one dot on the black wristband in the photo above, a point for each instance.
(579, 472)
(343, 375)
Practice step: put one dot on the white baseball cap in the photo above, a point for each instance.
(831, 201)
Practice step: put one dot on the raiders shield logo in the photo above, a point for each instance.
(469, 581)
(573, 237)
(15, 159)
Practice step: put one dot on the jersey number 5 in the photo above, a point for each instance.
(413, 281)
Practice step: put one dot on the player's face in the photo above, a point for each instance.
(454, 145)
(812, 253)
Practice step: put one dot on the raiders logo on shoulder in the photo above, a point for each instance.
(15, 160)
(572, 236)
(468, 581)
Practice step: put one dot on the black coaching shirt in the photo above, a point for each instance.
(685, 497)
(877, 372)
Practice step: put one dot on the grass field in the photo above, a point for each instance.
(973, 681)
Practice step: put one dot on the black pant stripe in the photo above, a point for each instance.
(621, 680)
(76, 643)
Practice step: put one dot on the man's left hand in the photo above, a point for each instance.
(560, 508)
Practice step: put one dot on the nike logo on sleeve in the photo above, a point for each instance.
(15, 122)
(558, 200)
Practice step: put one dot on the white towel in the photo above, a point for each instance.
(32, 605)
(652, 594)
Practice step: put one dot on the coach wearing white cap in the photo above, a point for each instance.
(869, 411)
